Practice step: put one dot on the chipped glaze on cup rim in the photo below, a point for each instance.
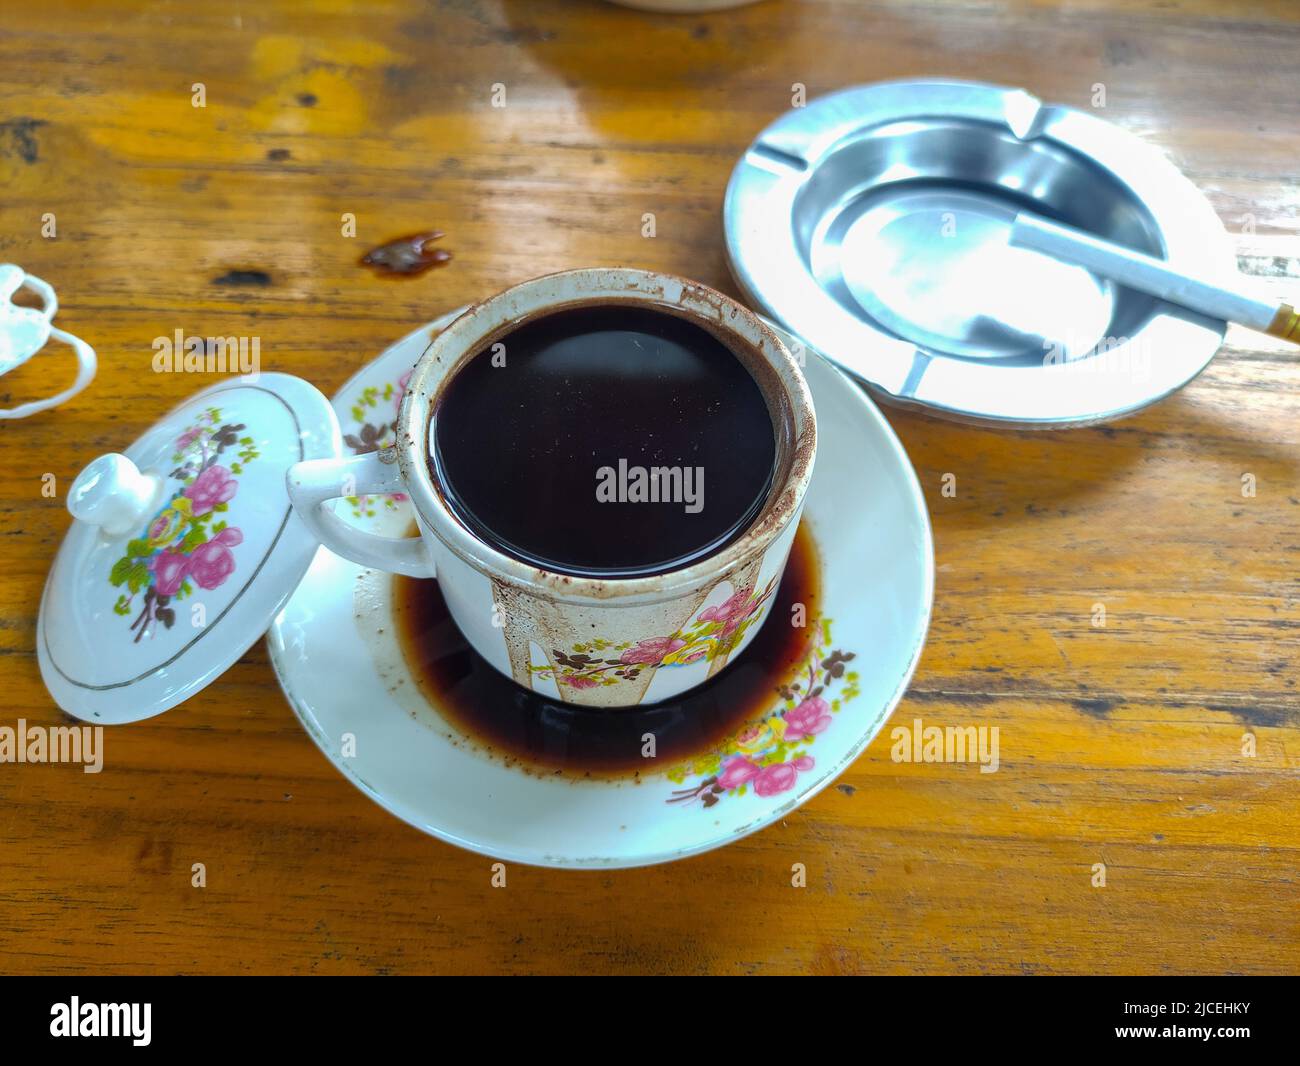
(466, 335)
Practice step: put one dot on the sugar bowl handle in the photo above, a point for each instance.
(313, 483)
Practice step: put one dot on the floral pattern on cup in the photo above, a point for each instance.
(713, 632)
(768, 755)
(186, 544)
(377, 402)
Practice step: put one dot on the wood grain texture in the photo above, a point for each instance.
(1119, 745)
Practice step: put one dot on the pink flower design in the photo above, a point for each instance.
(213, 562)
(215, 485)
(651, 651)
(731, 612)
(169, 572)
(780, 777)
(749, 759)
(811, 717)
(578, 681)
(187, 438)
(693, 656)
(737, 772)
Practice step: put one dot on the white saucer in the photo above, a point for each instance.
(335, 652)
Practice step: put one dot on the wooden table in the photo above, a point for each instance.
(1120, 744)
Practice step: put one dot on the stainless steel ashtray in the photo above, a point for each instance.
(874, 224)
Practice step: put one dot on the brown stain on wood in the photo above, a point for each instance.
(925, 868)
(407, 256)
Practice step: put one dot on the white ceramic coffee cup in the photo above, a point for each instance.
(584, 640)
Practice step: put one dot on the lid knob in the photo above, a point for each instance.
(113, 494)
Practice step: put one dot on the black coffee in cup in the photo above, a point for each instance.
(605, 440)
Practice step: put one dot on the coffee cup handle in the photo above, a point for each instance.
(313, 483)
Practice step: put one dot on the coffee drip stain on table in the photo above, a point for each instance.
(1121, 744)
(407, 256)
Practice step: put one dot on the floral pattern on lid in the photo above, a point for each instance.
(186, 544)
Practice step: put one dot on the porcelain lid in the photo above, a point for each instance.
(182, 549)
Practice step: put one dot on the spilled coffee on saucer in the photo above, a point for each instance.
(605, 440)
